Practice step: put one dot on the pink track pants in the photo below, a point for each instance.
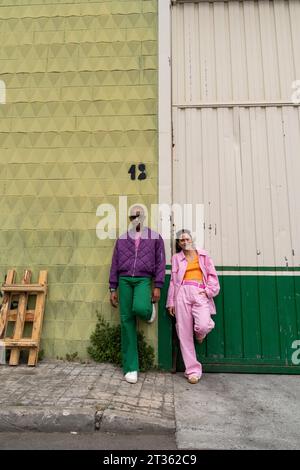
(192, 315)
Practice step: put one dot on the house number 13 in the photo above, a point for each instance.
(142, 169)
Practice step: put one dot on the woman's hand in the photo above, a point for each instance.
(171, 311)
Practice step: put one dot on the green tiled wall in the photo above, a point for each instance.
(81, 80)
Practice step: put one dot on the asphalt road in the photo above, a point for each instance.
(93, 441)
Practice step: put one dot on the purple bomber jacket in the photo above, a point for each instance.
(147, 261)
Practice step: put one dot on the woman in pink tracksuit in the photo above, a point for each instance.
(194, 283)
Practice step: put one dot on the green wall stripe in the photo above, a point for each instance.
(257, 268)
(246, 271)
(253, 268)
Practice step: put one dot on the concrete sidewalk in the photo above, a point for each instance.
(62, 396)
(223, 411)
(238, 411)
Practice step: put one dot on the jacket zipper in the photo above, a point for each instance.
(136, 250)
(201, 267)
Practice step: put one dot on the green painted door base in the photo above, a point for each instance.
(257, 327)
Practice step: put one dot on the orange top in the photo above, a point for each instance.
(193, 271)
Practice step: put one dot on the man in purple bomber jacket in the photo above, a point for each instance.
(138, 270)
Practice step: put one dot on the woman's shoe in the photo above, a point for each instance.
(131, 377)
(193, 379)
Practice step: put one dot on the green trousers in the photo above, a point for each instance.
(135, 301)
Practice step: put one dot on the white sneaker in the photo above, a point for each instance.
(131, 377)
(153, 316)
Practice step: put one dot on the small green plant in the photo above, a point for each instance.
(106, 345)
(73, 357)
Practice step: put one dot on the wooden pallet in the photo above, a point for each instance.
(20, 315)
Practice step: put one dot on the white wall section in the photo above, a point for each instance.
(236, 128)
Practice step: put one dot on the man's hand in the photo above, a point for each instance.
(114, 299)
(155, 294)
(171, 311)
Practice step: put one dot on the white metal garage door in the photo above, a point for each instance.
(236, 128)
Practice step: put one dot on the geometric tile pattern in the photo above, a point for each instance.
(81, 89)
